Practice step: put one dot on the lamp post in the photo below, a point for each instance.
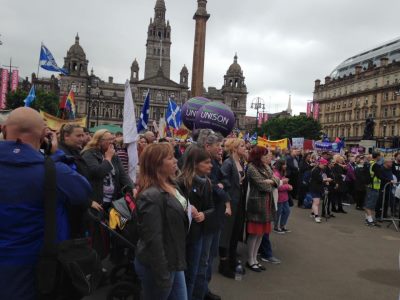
(257, 103)
(89, 105)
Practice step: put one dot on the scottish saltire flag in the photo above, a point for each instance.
(48, 62)
(173, 114)
(144, 115)
(31, 96)
(253, 139)
(246, 136)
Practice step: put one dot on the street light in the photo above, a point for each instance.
(257, 103)
(89, 105)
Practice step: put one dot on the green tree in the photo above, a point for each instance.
(298, 126)
(45, 101)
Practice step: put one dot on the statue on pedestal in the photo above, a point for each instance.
(369, 128)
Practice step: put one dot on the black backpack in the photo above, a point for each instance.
(67, 270)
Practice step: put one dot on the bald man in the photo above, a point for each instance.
(150, 137)
(22, 177)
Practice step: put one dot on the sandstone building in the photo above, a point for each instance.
(363, 85)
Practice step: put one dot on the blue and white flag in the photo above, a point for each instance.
(48, 62)
(31, 97)
(144, 115)
(253, 138)
(173, 115)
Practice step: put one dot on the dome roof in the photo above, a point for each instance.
(235, 67)
(76, 50)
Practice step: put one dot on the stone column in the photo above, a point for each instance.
(201, 16)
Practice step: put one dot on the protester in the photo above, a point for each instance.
(22, 176)
(109, 181)
(211, 142)
(387, 180)
(318, 183)
(283, 212)
(372, 193)
(338, 172)
(121, 151)
(233, 177)
(150, 137)
(306, 166)
(196, 186)
(361, 181)
(72, 138)
(163, 225)
(259, 203)
(292, 172)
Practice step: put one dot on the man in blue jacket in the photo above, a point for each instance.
(21, 201)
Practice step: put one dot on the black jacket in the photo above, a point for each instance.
(338, 171)
(200, 196)
(163, 225)
(76, 213)
(98, 168)
(291, 169)
(231, 180)
(317, 184)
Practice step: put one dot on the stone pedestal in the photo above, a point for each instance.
(369, 145)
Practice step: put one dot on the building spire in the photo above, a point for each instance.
(77, 38)
(289, 108)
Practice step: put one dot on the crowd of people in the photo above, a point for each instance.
(196, 200)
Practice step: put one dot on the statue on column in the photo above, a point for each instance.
(369, 128)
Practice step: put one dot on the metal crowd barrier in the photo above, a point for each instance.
(393, 205)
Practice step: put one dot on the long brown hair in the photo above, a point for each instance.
(96, 139)
(195, 156)
(151, 160)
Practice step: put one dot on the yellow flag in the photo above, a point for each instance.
(55, 123)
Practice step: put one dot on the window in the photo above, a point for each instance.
(357, 114)
(386, 96)
(366, 100)
(393, 111)
(366, 114)
(385, 112)
(234, 104)
(374, 97)
(355, 130)
(393, 96)
(393, 130)
(342, 132)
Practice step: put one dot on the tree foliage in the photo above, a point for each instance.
(45, 101)
(298, 126)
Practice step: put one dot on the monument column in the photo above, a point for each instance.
(201, 16)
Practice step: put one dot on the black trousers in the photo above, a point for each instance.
(359, 198)
(337, 200)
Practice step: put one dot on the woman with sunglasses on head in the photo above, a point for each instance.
(163, 223)
(233, 177)
(197, 187)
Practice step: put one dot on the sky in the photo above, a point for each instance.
(283, 46)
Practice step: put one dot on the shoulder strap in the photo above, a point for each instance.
(50, 204)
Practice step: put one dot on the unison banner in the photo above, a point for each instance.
(322, 146)
(309, 108)
(3, 88)
(316, 111)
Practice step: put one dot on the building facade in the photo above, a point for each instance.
(364, 85)
(233, 93)
(102, 100)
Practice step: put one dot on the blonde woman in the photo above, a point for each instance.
(106, 173)
(233, 176)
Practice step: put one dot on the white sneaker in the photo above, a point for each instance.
(317, 220)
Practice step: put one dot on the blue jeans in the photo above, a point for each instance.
(213, 253)
(265, 247)
(282, 215)
(197, 254)
(152, 292)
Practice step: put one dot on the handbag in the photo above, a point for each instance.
(69, 269)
